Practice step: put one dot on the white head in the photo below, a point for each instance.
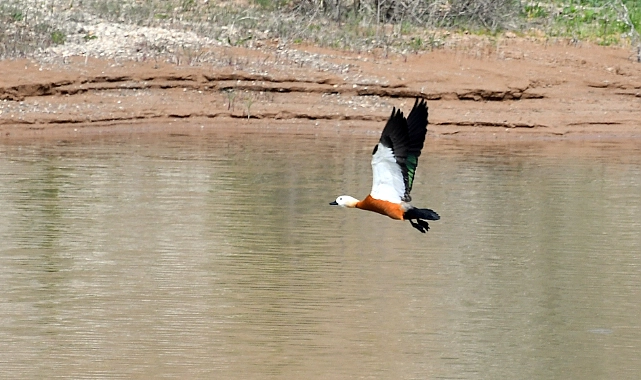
(345, 201)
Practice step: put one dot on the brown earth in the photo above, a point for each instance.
(517, 89)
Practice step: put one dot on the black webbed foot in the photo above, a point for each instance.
(420, 225)
(423, 223)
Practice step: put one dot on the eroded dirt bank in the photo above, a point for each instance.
(518, 88)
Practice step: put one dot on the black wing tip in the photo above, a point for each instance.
(420, 104)
(406, 135)
(397, 114)
(395, 130)
(420, 112)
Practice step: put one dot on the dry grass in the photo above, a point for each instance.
(30, 26)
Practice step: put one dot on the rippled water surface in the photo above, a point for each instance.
(218, 256)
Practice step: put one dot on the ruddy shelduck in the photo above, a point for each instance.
(394, 162)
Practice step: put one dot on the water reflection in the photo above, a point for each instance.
(215, 256)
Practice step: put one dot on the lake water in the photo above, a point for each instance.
(217, 256)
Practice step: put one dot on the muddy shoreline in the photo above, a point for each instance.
(521, 90)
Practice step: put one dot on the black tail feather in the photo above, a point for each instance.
(421, 213)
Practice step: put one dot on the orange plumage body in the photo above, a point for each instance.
(393, 210)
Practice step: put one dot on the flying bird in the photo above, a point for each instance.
(394, 162)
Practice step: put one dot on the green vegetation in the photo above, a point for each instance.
(393, 25)
(21, 33)
(603, 22)
(58, 37)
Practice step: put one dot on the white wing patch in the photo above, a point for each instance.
(387, 181)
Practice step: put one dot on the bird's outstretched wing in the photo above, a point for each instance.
(395, 157)
(417, 128)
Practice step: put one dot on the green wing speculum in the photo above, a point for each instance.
(411, 163)
(416, 128)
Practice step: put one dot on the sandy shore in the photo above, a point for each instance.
(515, 90)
